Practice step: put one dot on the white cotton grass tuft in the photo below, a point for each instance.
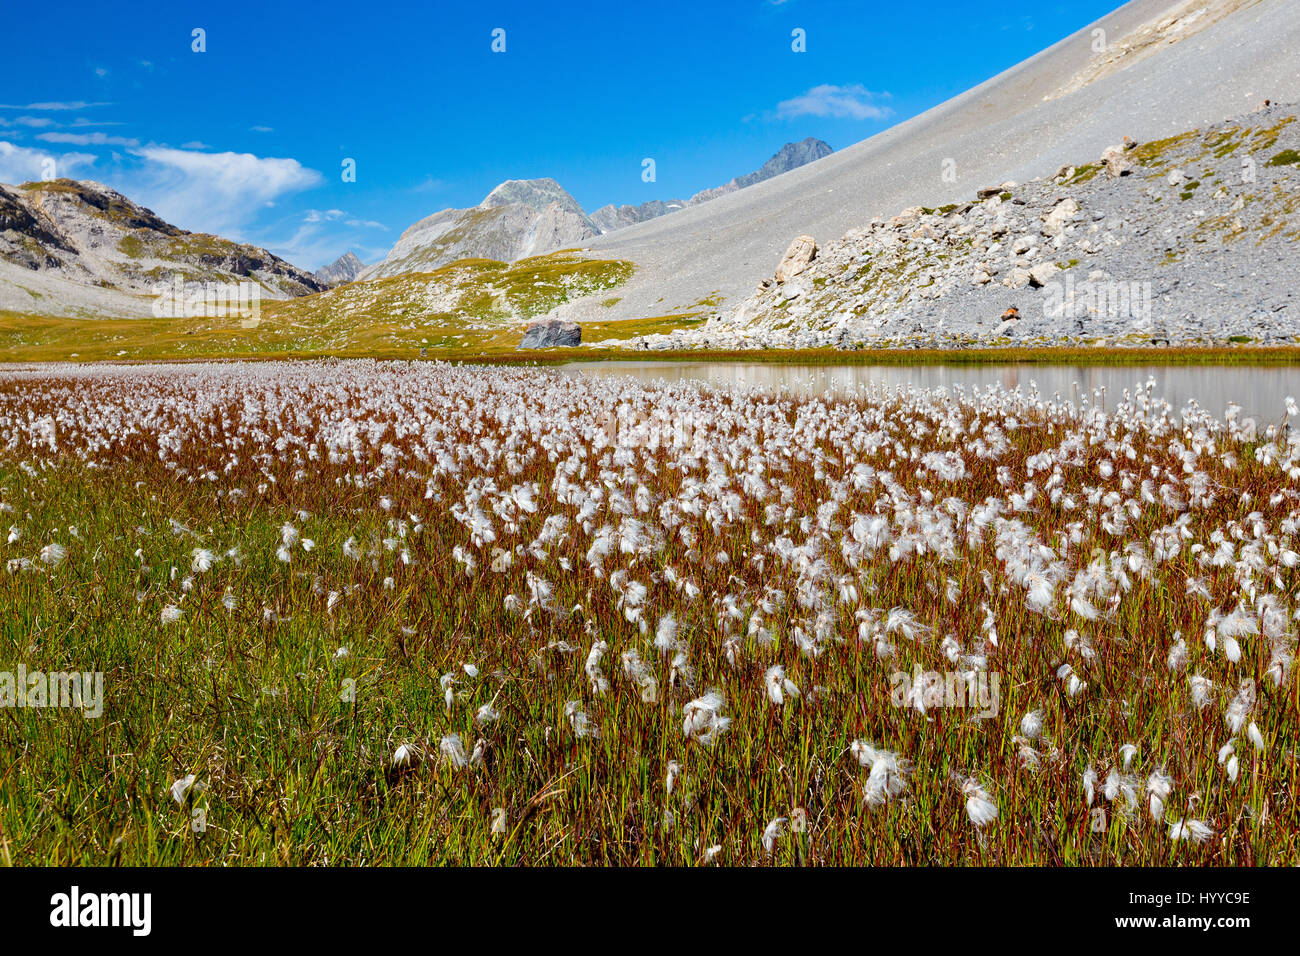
(1074, 684)
(1031, 725)
(1176, 659)
(1090, 781)
(53, 554)
(778, 686)
(773, 832)
(579, 722)
(1240, 707)
(452, 749)
(702, 719)
(1159, 786)
(406, 756)
(1255, 737)
(1202, 689)
(666, 634)
(1197, 831)
(888, 774)
(179, 788)
(1227, 759)
(981, 809)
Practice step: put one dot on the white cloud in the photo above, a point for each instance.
(214, 192)
(854, 102)
(18, 164)
(325, 215)
(65, 105)
(88, 139)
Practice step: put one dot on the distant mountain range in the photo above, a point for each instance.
(81, 248)
(790, 156)
(74, 248)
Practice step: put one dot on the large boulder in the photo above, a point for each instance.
(551, 334)
(1043, 273)
(797, 258)
(1055, 221)
(1117, 161)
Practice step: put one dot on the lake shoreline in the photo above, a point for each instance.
(1243, 355)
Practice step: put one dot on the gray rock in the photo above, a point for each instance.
(1117, 162)
(1054, 222)
(1043, 273)
(551, 334)
(797, 258)
(1017, 279)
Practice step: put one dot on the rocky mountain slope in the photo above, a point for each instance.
(788, 157)
(519, 218)
(343, 269)
(1190, 239)
(80, 248)
(1168, 67)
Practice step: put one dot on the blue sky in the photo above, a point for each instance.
(247, 139)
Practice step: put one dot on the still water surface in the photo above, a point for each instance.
(1260, 391)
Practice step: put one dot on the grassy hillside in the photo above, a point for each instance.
(469, 306)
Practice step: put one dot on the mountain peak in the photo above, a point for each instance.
(788, 157)
(536, 194)
(343, 269)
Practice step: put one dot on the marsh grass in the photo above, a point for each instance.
(292, 768)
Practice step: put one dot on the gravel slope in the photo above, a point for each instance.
(1016, 126)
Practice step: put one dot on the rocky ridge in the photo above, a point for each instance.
(65, 233)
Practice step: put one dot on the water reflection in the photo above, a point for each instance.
(1260, 391)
